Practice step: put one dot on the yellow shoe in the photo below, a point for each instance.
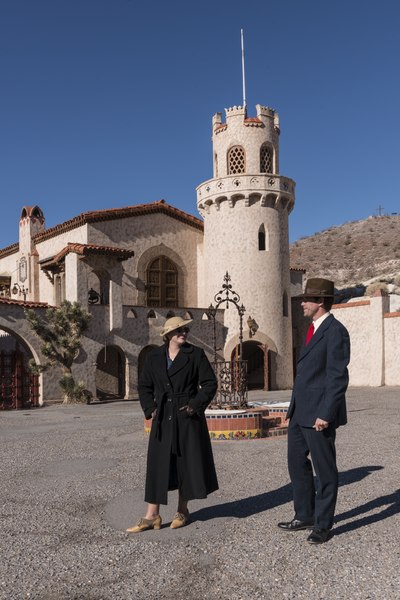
(179, 520)
(144, 524)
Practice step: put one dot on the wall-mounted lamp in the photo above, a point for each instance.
(93, 296)
(17, 289)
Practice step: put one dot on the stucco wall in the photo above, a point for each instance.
(391, 325)
(375, 341)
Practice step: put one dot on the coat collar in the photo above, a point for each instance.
(318, 335)
(180, 361)
(182, 358)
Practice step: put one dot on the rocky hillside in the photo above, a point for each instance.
(359, 252)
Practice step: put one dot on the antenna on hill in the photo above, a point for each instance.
(243, 74)
(380, 210)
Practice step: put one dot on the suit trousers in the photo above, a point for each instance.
(313, 501)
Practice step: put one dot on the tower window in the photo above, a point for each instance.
(162, 283)
(266, 159)
(262, 239)
(236, 160)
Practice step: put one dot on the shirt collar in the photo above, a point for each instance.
(320, 320)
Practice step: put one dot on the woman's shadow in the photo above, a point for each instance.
(252, 505)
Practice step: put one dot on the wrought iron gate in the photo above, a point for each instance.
(19, 388)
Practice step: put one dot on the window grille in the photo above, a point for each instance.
(266, 159)
(162, 283)
(236, 160)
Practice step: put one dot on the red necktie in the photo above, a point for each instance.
(310, 333)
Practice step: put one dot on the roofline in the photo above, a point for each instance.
(110, 214)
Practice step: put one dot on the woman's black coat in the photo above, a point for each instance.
(189, 381)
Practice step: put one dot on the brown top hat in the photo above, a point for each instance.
(319, 288)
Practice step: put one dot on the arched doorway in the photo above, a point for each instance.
(257, 364)
(19, 388)
(110, 374)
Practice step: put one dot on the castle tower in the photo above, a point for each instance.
(245, 208)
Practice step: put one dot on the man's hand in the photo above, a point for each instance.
(320, 424)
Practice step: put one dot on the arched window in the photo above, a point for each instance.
(162, 283)
(236, 160)
(266, 165)
(262, 238)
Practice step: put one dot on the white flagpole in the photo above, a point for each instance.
(243, 74)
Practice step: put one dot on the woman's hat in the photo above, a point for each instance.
(174, 323)
(319, 288)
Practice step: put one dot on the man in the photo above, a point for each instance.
(317, 408)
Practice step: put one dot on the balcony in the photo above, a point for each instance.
(270, 190)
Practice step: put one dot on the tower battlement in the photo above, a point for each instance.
(238, 114)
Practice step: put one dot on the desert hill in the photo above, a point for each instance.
(356, 253)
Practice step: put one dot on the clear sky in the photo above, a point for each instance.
(108, 103)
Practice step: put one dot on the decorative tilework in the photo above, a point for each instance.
(246, 425)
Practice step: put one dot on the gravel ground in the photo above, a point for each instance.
(72, 480)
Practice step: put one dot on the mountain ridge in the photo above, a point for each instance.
(357, 253)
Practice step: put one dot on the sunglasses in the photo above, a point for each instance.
(181, 330)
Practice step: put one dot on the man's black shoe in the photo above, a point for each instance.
(319, 536)
(296, 525)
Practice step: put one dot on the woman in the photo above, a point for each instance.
(175, 388)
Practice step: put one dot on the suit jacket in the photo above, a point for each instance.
(322, 377)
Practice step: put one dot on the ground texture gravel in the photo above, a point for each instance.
(71, 481)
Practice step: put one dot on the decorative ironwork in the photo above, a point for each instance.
(231, 376)
(232, 384)
(20, 290)
(19, 389)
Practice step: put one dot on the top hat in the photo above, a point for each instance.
(174, 323)
(318, 288)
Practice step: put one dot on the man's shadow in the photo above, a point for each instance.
(252, 505)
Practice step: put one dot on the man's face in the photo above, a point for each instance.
(311, 306)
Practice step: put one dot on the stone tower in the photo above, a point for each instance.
(31, 223)
(245, 208)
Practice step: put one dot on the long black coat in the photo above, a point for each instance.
(189, 381)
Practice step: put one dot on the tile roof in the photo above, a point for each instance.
(110, 214)
(9, 250)
(86, 250)
(26, 303)
(253, 122)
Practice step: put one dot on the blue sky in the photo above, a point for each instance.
(108, 103)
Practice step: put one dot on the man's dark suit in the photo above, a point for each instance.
(318, 392)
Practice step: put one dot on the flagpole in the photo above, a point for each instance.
(243, 73)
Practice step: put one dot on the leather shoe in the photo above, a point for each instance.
(144, 524)
(319, 536)
(179, 520)
(296, 525)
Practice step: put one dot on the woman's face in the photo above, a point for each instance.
(178, 336)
